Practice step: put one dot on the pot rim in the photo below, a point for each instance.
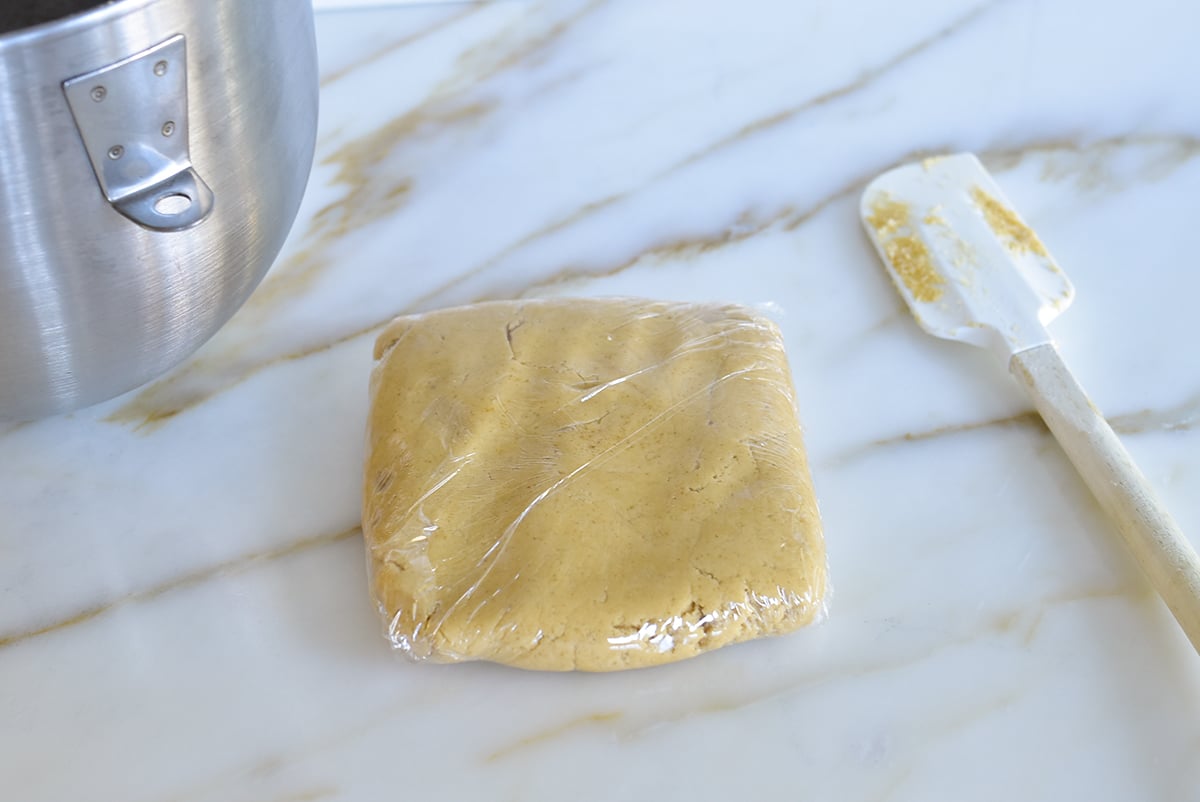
(65, 26)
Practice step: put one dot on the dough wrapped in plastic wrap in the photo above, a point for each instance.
(590, 484)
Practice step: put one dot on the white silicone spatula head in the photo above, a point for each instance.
(972, 270)
(966, 263)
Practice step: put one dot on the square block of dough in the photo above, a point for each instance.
(590, 484)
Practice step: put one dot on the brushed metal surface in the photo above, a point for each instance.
(132, 117)
(91, 303)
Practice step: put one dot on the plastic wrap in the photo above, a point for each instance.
(590, 484)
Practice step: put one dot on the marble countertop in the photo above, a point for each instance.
(183, 604)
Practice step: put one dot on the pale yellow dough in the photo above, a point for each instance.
(587, 484)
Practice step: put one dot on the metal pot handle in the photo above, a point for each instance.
(133, 118)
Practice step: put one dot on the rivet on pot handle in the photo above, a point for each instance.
(133, 118)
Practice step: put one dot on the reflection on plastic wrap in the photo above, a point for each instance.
(590, 484)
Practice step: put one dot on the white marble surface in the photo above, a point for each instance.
(183, 608)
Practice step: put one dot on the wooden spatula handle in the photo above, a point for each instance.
(1158, 545)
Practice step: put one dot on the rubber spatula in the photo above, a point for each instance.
(972, 270)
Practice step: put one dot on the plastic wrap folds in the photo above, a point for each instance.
(590, 484)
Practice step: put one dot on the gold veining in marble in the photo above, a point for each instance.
(1014, 624)
(1177, 418)
(446, 22)
(742, 228)
(1023, 419)
(491, 58)
(1088, 161)
(162, 401)
(790, 219)
(733, 701)
(1006, 622)
(147, 410)
(734, 232)
(1092, 166)
(1028, 419)
(594, 206)
(998, 628)
(448, 108)
(1034, 620)
(10, 428)
(538, 738)
(428, 299)
(228, 567)
(369, 197)
(372, 190)
(168, 397)
(1180, 417)
(863, 81)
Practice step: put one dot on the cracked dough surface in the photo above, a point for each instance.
(590, 484)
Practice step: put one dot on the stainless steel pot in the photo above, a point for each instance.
(153, 154)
